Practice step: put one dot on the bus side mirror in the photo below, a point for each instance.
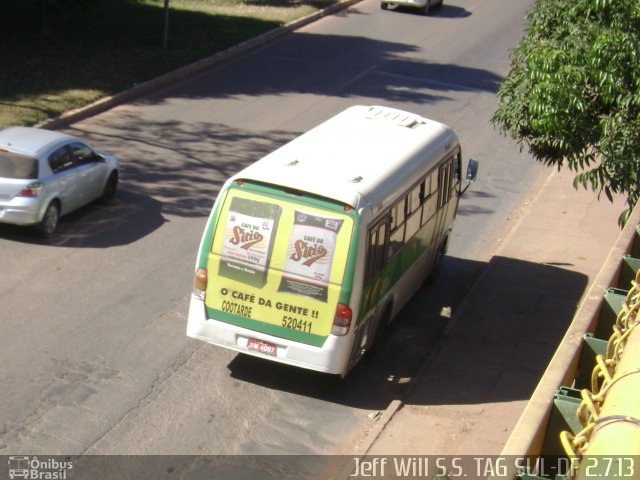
(472, 173)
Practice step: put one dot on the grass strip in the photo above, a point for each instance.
(88, 49)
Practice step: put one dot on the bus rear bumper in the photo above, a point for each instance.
(331, 358)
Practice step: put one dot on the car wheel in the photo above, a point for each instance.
(384, 5)
(109, 190)
(49, 221)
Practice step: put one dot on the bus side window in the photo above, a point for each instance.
(376, 258)
(457, 171)
(381, 259)
(397, 216)
(416, 197)
(396, 236)
(413, 219)
(444, 184)
(431, 198)
(428, 185)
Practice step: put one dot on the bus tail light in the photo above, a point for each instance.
(200, 283)
(342, 320)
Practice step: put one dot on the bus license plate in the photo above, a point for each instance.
(260, 346)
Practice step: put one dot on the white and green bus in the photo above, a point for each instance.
(311, 251)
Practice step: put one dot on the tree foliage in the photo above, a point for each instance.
(573, 93)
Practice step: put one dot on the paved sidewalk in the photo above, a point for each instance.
(470, 394)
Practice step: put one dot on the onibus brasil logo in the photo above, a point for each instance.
(38, 469)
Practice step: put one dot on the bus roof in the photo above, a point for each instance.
(362, 155)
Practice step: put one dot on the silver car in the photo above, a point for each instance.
(46, 174)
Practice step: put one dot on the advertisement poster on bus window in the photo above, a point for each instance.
(278, 263)
(312, 244)
(248, 241)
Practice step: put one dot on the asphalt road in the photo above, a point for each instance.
(92, 332)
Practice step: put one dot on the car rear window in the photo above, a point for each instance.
(16, 166)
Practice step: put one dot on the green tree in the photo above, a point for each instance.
(572, 95)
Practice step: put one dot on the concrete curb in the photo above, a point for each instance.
(386, 416)
(182, 73)
(378, 428)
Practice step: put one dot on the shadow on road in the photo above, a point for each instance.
(514, 318)
(442, 11)
(129, 218)
(170, 167)
(182, 166)
(167, 168)
(357, 67)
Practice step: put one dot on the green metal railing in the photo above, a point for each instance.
(586, 408)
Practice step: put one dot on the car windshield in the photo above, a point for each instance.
(16, 166)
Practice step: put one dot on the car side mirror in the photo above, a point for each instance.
(472, 173)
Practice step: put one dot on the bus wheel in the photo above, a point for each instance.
(380, 329)
(437, 262)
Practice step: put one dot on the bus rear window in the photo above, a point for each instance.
(278, 256)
